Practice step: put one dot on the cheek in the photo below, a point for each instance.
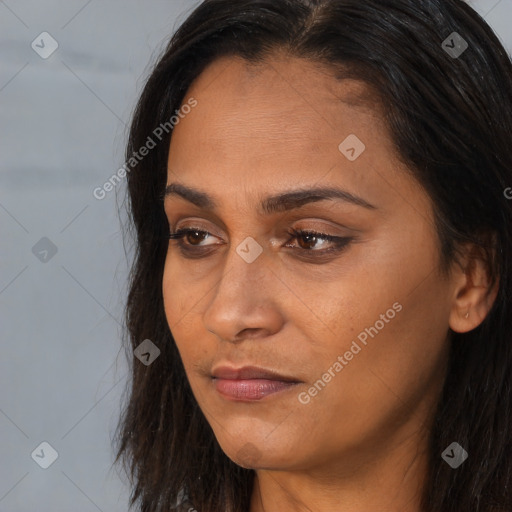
(396, 370)
(178, 305)
(395, 308)
(184, 296)
(171, 288)
(182, 291)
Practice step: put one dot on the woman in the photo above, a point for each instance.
(323, 254)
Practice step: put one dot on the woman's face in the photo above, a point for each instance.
(358, 324)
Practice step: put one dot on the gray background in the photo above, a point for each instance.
(63, 125)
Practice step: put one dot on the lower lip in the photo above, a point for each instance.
(251, 389)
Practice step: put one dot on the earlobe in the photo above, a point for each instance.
(474, 296)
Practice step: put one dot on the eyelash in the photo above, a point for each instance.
(340, 242)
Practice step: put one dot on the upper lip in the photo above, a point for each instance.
(249, 372)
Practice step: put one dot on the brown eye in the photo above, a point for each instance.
(308, 241)
(190, 241)
(196, 236)
(193, 236)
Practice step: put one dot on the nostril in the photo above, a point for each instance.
(251, 333)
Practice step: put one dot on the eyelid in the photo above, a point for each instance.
(191, 224)
(338, 243)
(180, 233)
(335, 225)
(291, 232)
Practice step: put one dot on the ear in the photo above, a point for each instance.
(473, 293)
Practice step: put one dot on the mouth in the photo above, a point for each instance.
(250, 383)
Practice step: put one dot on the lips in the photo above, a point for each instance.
(250, 382)
(248, 373)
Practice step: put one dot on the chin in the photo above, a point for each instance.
(257, 451)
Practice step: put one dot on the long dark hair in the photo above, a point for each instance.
(450, 117)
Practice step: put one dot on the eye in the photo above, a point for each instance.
(189, 234)
(310, 238)
(190, 241)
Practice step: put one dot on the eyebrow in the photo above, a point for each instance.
(273, 204)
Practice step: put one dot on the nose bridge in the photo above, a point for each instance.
(246, 255)
(241, 295)
(244, 271)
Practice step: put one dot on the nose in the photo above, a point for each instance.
(244, 303)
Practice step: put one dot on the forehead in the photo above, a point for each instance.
(281, 89)
(274, 124)
(279, 70)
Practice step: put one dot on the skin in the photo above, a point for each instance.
(360, 443)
